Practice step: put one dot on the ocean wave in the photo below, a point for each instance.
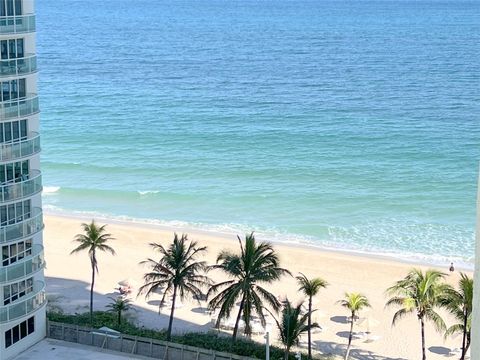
(50, 189)
(146, 192)
(279, 237)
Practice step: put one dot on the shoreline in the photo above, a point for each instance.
(183, 227)
(68, 278)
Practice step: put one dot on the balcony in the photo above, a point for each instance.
(17, 24)
(20, 148)
(25, 267)
(23, 188)
(19, 107)
(22, 229)
(25, 305)
(19, 66)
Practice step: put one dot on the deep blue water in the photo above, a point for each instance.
(349, 124)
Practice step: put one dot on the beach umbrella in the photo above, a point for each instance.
(126, 282)
(368, 323)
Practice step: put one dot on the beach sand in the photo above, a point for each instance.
(68, 284)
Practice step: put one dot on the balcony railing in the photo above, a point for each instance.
(17, 24)
(24, 228)
(20, 148)
(22, 188)
(24, 267)
(19, 66)
(19, 107)
(25, 305)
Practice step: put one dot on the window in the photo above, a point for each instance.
(14, 252)
(15, 291)
(11, 49)
(19, 332)
(10, 7)
(14, 172)
(12, 131)
(13, 89)
(14, 213)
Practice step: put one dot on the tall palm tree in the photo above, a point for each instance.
(459, 304)
(293, 323)
(419, 293)
(354, 302)
(256, 264)
(93, 239)
(118, 306)
(310, 287)
(177, 271)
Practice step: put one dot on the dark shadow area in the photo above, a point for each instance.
(339, 319)
(73, 296)
(200, 310)
(344, 334)
(339, 350)
(441, 350)
(154, 302)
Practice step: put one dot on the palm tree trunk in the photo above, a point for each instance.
(467, 347)
(350, 336)
(170, 322)
(237, 322)
(424, 355)
(119, 317)
(309, 328)
(464, 339)
(91, 293)
(287, 352)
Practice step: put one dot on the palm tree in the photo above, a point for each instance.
(459, 304)
(419, 293)
(293, 323)
(177, 271)
(256, 264)
(353, 302)
(310, 287)
(93, 239)
(119, 305)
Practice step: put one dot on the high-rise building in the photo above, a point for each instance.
(22, 287)
(475, 351)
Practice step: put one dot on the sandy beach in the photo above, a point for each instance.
(68, 279)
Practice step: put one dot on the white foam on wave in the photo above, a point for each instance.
(146, 192)
(50, 189)
(275, 236)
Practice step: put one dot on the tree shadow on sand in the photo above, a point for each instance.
(337, 349)
(440, 350)
(340, 319)
(73, 296)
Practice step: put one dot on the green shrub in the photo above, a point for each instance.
(212, 340)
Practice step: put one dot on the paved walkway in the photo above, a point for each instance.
(49, 349)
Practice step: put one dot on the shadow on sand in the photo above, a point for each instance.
(73, 296)
(357, 354)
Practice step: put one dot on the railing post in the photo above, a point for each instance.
(165, 354)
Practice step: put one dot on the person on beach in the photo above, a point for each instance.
(452, 268)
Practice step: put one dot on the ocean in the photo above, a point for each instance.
(351, 125)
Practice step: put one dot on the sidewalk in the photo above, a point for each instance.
(49, 349)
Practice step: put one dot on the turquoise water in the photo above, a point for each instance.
(352, 125)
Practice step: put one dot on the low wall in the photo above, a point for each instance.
(156, 349)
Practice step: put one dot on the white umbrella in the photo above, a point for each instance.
(126, 282)
(368, 323)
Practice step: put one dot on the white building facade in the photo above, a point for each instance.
(22, 286)
(475, 350)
